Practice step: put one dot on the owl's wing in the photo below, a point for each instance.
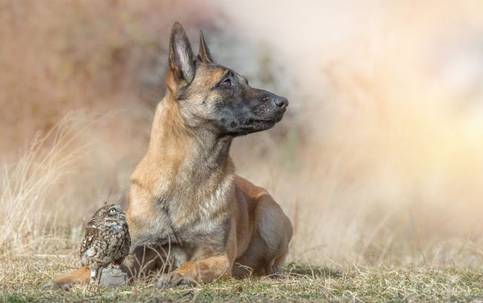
(89, 238)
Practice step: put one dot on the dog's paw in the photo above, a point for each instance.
(172, 280)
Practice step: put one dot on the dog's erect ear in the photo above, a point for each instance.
(204, 53)
(181, 59)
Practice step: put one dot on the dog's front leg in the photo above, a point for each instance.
(199, 271)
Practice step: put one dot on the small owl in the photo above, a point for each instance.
(106, 241)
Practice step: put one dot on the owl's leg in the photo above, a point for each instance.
(94, 273)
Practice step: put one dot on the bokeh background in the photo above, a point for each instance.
(379, 159)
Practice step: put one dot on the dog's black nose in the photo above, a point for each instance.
(280, 102)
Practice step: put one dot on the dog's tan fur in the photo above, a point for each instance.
(186, 199)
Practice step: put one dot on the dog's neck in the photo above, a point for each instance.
(186, 157)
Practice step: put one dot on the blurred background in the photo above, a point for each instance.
(379, 159)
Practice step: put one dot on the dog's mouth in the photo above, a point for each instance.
(256, 124)
(252, 123)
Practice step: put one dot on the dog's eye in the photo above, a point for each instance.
(227, 82)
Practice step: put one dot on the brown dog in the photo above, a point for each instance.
(185, 200)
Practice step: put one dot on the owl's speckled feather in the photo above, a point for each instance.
(107, 238)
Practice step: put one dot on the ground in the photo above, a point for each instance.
(21, 278)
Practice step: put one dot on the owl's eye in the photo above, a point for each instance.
(112, 211)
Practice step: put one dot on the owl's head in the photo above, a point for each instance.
(110, 215)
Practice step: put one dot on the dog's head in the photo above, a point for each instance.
(213, 96)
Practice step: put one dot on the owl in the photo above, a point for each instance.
(106, 240)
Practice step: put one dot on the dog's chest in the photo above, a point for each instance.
(194, 216)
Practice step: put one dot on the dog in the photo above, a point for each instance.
(186, 206)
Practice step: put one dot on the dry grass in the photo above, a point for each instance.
(26, 187)
(22, 277)
(48, 192)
